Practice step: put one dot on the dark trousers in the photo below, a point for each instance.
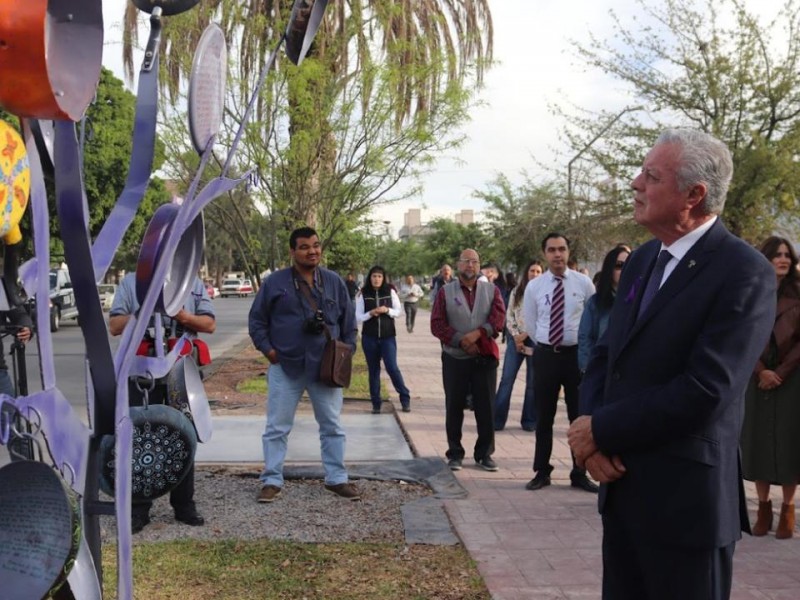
(181, 498)
(477, 375)
(553, 370)
(377, 349)
(635, 568)
(411, 314)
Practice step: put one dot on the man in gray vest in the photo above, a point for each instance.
(467, 315)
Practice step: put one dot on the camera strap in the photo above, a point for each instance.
(303, 286)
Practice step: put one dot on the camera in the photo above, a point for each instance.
(314, 325)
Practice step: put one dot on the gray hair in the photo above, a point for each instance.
(704, 159)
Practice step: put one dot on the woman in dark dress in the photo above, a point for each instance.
(771, 432)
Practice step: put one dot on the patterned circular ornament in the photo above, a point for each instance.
(164, 444)
(15, 183)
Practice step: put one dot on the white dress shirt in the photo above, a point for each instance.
(578, 288)
(361, 315)
(680, 247)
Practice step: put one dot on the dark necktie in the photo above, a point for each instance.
(655, 280)
(557, 314)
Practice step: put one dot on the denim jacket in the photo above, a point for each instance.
(279, 310)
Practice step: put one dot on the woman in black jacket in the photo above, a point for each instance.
(377, 306)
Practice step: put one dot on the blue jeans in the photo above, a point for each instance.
(284, 394)
(6, 385)
(376, 349)
(511, 364)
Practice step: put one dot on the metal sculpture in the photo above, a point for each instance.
(51, 50)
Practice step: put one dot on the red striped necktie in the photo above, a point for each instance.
(557, 313)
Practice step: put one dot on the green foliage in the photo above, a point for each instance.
(106, 153)
(332, 139)
(710, 65)
(447, 239)
(359, 381)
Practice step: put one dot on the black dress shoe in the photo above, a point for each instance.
(139, 522)
(583, 482)
(190, 517)
(538, 482)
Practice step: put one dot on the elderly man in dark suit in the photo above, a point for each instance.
(663, 393)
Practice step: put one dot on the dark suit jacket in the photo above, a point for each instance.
(666, 390)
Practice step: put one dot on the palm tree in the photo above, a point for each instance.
(429, 52)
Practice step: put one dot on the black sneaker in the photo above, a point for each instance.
(406, 408)
(487, 464)
(139, 522)
(454, 464)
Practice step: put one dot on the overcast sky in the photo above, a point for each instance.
(536, 67)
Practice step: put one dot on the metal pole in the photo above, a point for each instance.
(591, 143)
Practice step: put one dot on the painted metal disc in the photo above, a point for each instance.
(186, 393)
(185, 262)
(40, 525)
(164, 443)
(303, 24)
(207, 87)
(15, 182)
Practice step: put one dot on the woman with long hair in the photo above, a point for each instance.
(594, 319)
(771, 431)
(519, 347)
(377, 306)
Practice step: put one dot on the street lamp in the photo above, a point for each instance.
(386, 229)
(592, 141)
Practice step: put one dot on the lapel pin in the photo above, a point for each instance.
(692, 263)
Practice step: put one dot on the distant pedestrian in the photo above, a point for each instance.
(771, 432)
(377, 306)
(410, 294)
(519, 348)
(444, 277)
(352, 285)
(466, 317)
(598, 308)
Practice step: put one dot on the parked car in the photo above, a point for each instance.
(230, 287)
(107, 292)
(246, 289)
(236, 287)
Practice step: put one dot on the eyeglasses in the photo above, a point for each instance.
(469, 261)
(619, 264)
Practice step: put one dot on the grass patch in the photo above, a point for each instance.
(359, 381)
(236, 570)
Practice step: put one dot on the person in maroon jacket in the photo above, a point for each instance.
(467, 315)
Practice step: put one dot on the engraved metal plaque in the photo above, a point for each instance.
(39, 530)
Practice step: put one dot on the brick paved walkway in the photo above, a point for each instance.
(545, 544)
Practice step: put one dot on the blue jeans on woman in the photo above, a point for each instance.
(375, 349)
(511, 364)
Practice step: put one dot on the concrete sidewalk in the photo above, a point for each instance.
(544, 544)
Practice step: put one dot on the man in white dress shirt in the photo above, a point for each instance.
(552, 309)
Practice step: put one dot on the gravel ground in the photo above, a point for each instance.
(304, 512)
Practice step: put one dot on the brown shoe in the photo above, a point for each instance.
(268, 493)
(785, 528)
(345, 490)
(763, 518)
